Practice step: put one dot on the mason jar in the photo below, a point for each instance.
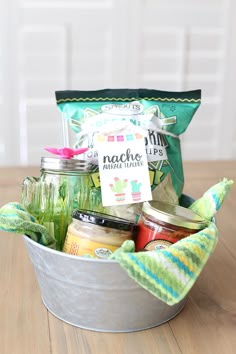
(64, 185)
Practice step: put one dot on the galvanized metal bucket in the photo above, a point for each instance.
(95, 294)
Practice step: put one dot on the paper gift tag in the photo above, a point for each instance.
(123, 169)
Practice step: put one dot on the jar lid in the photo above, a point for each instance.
(174, 214)
(101, 219)
(52, 163)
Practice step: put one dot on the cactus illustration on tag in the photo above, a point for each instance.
(136, 194)
(118, 188)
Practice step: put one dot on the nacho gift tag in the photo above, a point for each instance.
(123, 169)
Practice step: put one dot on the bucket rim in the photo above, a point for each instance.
(27, 239)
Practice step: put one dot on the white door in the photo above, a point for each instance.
(48, 45)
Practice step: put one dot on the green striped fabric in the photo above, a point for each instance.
(170, 273)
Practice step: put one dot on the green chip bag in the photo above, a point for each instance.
(163, 115)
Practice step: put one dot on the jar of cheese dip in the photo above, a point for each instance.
(161, 224)
(96, 234)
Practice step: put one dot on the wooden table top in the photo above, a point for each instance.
(207, 324)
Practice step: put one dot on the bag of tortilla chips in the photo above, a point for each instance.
(163, 115)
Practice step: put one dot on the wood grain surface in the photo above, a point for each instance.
(206, 325)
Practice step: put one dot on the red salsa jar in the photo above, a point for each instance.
(161, 224)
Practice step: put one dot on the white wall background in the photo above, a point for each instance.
(48, 45)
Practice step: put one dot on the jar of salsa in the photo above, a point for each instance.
(161, 224)
(96, 234)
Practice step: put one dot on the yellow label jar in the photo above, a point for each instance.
(96, 234)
